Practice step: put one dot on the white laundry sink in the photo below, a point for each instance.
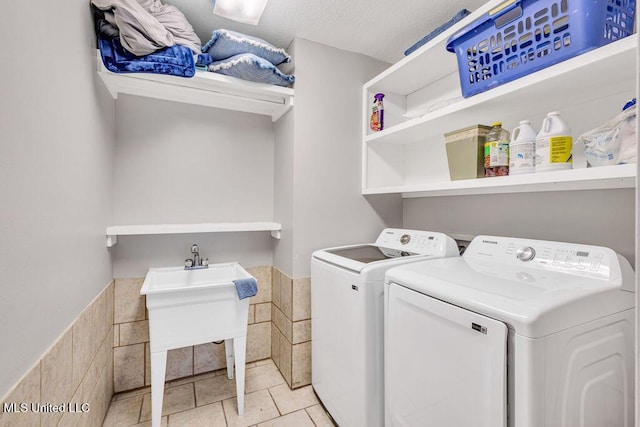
(191, 307)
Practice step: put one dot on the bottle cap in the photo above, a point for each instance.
(496, 124)
(525, 122)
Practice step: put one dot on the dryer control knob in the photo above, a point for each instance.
(526, 253)
(406, 238)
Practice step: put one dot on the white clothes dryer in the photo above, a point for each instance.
(519, 333)
(347, 288)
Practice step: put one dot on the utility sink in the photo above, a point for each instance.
(191, 307)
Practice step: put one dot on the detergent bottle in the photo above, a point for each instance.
(522, 149)
(553, 144)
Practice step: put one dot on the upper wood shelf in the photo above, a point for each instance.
(205, 89)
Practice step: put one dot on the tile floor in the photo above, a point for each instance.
(210, 400)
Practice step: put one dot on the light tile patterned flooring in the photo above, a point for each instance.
(210, 400)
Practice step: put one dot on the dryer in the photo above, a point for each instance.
(347, 288)
(516, 332)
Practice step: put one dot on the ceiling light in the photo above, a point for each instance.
(245, 11)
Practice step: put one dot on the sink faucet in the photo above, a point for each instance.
(197, 262)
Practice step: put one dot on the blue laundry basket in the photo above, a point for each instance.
(520, 37)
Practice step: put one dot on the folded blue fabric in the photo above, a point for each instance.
(457, 17)
(246, 287)
(253, 68)
(173, 60)
(225, 44)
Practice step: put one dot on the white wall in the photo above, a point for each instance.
(179, 163)
(597, 217)
(56, 147)
(283, 190)
(328, 207)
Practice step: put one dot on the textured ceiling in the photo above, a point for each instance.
(382, 29)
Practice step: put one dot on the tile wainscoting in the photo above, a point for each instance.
(77, 372)
(106, 350)
(291, 328)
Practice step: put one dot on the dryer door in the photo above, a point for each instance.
(444, 366)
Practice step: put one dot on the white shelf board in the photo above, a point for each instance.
(217, 227)
(426, 65)
(616, 176)
(205, 89)
(569, 82)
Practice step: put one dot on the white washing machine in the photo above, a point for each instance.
(519, 333)
(347, 289)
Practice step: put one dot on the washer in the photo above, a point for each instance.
(347, 288)
(515, 332)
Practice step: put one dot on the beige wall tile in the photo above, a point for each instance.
(103, 357)
(258, 341)
(147, 364)
(83, 334)
(301, 299)
(129, 305)
(288, 400)
(110, 304)
(275, 281)
(116, 335)
(99, 399)
(301, 365)
(258, 407)
(263, 276)
(134, 332)
(27, 390)
(285, 359)
(176, 399)
(263, 312)
(319, 416)
(208, 357)
(286, 295)
(57, 375)
(301, 331)
(129, 367)
(251, 318)
(99, 320)
(284, 324)
(179, 363)
(295, 419)
(275, 344)
(210, 415)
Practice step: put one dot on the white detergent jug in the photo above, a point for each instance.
(553, 144)
(522, 149)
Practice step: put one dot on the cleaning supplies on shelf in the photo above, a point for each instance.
(553, 144)
(522, 149)
(496, 151)
(615, 142)
(377, 113)
(465, 151)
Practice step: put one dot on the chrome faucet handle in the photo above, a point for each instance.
(188, 263)
(204, 262)
(194, 249)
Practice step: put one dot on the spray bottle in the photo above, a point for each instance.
(377, 113)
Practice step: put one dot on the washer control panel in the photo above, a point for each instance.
(588, 260)
(401, 242)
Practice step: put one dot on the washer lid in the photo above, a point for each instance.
(393, 245)
(536, 287)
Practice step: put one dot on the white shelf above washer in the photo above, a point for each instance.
(205, 89)
(216, 227)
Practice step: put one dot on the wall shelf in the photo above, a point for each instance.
(423, 101)
(617, 176)
(205, 89)
(217, 227)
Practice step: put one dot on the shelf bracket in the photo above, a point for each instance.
(275, 234)
(111, 240)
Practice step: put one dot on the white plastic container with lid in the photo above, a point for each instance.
(553, 144)
(522, 149)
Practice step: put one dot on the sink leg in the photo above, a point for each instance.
(228, 346)
(239, 349)
(158, 370)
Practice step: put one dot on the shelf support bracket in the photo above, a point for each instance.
(111, 240)
(275, 234)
